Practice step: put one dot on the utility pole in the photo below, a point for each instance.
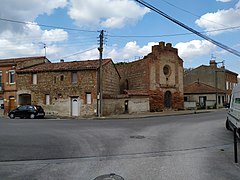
(99, 96)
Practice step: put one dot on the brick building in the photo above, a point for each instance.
(67, 88)
(159, 75)
(8, 79)
(220, 79)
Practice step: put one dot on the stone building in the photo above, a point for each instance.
(159, 75)
(67, 88)
(220, 79)
(8, 79)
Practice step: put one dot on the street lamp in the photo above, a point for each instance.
(216, 79)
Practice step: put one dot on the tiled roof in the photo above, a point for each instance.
(15, 60)
(200, 88)
(65, 66)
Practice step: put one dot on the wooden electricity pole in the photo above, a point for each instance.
(100, 90)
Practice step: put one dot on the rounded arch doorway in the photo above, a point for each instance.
(168, 100)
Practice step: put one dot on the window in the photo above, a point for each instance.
(22, 108)
(62, 77)
(34, 78)
(166, 70)
(11, 76)
(88, 98)
(47, 99)
(219, 99)
(1, 80)
(74, 77)
(237, 100)
(1, 103)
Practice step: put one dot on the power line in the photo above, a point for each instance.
(233, 51)
(44, 25)
(169, 35)
(78, 53)
(191, 13)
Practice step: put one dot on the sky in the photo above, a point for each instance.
(69, 29)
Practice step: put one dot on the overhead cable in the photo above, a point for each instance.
(231, 50)
(168, 35)
(191, 13)
(79, 53)
(43, 25)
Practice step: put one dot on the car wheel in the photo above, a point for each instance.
(12, 116)
(32, 116)
(227, 125)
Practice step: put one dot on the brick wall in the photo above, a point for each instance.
(8, 90)
(136, 73)
(111, 80)
(148, 74)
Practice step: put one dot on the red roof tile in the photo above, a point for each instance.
(15, 60)
(199, 88)
(65, 66)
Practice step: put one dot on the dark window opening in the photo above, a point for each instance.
(62, 78)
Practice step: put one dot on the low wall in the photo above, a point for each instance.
(118, 106)
(210, 104)
(190, 105)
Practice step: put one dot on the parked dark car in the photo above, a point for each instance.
(27, 111)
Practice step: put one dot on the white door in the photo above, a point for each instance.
(75, 107)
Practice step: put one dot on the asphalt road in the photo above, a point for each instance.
(195, 146)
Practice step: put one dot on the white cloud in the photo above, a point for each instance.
(27, 10)
(107, 13)
(186, 50)
(195, 48)
(92, 54)
(131, 51)
(220, 19)
(223, 1)
(20, 44)
(19, 39)
(54, 35)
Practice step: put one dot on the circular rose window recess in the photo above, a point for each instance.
(167, 70)
(111, 176)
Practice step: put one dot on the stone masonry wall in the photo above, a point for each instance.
(59, 86)
(116, 106)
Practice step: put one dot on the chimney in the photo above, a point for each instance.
(169, 45)
(213, 63)
(162, 44)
